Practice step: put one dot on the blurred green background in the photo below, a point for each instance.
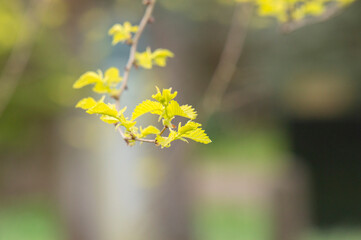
(284, 163)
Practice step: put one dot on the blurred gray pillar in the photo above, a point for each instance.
(291, 203)
(173, 199)
(99, 186)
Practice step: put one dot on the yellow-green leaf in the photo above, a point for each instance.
(112, 76)
(109, 119)
(148, 131)
(100, 87)
(102, 84)
(189, 126)
(197, 135)
(165, 141)
(128, 124)
(147, 106)
(86, 103)
(122, 33)
(173, 109)
(189, 111)
(144, 59)
(104, 109)
(147, 58)
(165, 96)
(86, 79)
(160, 56)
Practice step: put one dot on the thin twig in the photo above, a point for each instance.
(161, 132)
(133, 49)
(143, 23)
(142, 140)
(229, 58)
(294, 25)
(127, 139)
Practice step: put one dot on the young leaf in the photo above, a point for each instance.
(112, 77)
(165, 141)
(147, 106)
(86, 79)
(100, 87)
(109, 119)
(102, 84)
(144, 59)
(173, 109)
(128, 124)
(148, 131)
(197, 135)
(147, 59)
(104, 109)
(122, 33)
(188, 127)
(189, 111)
(86, 103)
(160, 56)
(165, 97)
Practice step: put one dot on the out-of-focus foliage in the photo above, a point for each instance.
(32, 220)
(43, 87)
(201, 10)
(10, 21)
(291, 10)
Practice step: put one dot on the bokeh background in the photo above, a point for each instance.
(285, 161)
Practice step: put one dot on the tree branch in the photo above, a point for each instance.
(143, 23)
(133, 49)
(229, 58)
(294, 25)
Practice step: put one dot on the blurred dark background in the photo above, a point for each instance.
(284, 163)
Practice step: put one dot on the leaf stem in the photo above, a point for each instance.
(161, 132)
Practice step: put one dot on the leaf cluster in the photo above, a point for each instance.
(163, 103)
(294, 10)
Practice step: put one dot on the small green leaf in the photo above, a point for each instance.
(128, 124)
(160, 56)
(173, 109)
(147, 59)
(100, 87)
(104, 109)
(148, 131)
(197, 135)
(86, 79)
(86, 103)
(165, 141)
(112, 76)
(106, 84)
(144, 59)
(122, 33)
(147, 106)
(109, 119)
(189, 111)
(165, 97)
(189, 126)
